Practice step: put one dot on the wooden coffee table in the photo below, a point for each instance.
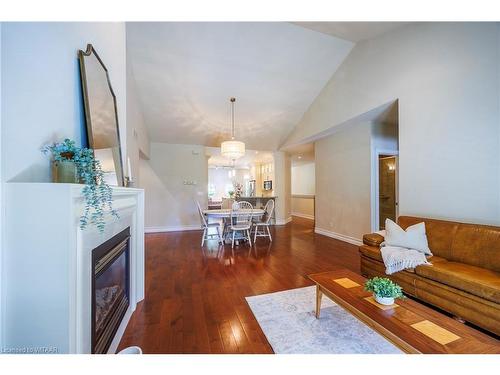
(411, 326)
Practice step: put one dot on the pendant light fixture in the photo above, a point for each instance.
(232, 149)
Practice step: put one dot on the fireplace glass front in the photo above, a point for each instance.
(110, 286)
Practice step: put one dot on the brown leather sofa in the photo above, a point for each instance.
(464, 279)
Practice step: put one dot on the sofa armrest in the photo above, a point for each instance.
(373, 239)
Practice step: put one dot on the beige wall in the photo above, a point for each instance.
(446, 79)
(169, 204)
(303, 206)
(343, 182)
(282, 186)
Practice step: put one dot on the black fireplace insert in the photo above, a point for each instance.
(110, 289)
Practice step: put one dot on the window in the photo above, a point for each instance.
(229, 187)
(211, 190)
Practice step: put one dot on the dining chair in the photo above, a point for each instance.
(241, 221)
(265, 222)
(205, 226)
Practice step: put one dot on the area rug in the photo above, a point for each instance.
(287, 319)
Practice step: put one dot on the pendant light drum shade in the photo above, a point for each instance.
(232, 149)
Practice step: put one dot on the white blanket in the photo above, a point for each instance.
(400, 258)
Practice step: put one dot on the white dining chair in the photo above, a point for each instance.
(205, 226)
(241, 221)
(265, 222)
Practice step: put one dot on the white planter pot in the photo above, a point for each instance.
(131, 350)
(384, 300)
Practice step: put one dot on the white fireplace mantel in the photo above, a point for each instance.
(46, 276)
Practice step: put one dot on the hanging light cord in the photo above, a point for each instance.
(232, 117)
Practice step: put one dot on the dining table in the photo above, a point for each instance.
(225, 213)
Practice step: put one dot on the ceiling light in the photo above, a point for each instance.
(300, 157)
(232, 149)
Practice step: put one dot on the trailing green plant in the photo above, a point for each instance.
(97, 193)
(384, 287)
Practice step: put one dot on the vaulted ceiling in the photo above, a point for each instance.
(185, 74)
(353, 31)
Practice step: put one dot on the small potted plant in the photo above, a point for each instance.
(80, 166)
(64, 168)
(384, 290)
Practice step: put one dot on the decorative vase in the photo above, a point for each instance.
(65, 172)
(387, 301)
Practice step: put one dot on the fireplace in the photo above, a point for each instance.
(110, 289)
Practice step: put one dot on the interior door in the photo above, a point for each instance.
(387, 168)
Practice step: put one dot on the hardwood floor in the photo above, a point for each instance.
(195, 299)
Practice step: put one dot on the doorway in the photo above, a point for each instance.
(387, 188)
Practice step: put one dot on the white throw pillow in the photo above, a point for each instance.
(413, 238)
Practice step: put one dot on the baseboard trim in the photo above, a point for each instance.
(304, 216)
(338, 236)
(180, 228)
(283, 222)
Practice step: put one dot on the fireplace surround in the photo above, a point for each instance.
(49, 267)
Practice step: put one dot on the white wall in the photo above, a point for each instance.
(303, 179)
(384, 136)
(40, 99)
(343, 187)
(2, 200)
(138, 143)
(303, 183)
(41, 87)
(446, 79)
(169, 204)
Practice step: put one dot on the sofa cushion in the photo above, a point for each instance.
(413, 237)
(439, 233)
(477, 245)
(474, 280)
